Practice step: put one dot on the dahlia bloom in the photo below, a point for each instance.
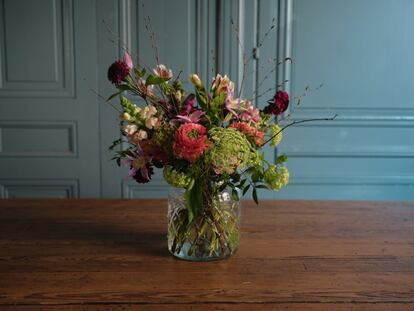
(163, 72)
(250, 131)
(278, 104)
(189, 141)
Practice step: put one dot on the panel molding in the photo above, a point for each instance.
(353, 151)
(154, 189)
(70, 126)
(64, 86)
(52, 188)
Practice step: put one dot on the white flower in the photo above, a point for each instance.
(151, 122)
(148, 112)
(145, 90)
(126, 116)
(162, 72)
(138, 136)
(129, 129)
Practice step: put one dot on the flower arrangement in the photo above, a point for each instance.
(206, 136)
(205, 140)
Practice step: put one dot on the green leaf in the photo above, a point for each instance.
(254, 195)
(139, 73)
(153, 80)
(262, 187)
(201, 98)
(246, 189)
(235, 195)
(114, 95)
(194, 197)
(282, 158)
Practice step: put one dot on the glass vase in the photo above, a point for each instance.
(212, 234)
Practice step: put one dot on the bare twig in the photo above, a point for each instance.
(298, 122)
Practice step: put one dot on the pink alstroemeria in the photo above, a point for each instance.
(193, 117)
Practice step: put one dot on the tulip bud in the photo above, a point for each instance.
(196, 80)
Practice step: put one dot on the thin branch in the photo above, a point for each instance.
(298, 122)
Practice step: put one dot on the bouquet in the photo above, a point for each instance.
(205, 140)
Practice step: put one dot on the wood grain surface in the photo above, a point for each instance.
(294, 255)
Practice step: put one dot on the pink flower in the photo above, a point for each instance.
(140, 168)
(117, 72)
(189, 141)
(162, 72)
(250, 131)
(128, 61)
(278, 104)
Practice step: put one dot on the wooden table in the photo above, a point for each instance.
(295, 255)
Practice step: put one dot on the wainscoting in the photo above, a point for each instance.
(54, 129)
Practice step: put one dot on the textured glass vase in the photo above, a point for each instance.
(213, 234)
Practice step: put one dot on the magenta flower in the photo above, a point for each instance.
(278, 104)
(128, 61)
(140, 167)
(117, 72)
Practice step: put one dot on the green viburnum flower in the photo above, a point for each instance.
(274, 129)
(163, 136)
(230, 150)
(276, 177)
(175, 178)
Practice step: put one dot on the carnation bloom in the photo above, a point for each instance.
(117, 72)
(278, 104)
(162, 72)
(250, 131)
(189, 141)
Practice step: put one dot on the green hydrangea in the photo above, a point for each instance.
(276, 177)
(162, 137)
(275, 129)
(230, 150)
(175, 178)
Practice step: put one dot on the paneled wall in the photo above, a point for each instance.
(48, 116)
(54, 129)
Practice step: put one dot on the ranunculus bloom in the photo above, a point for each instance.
(189, 141)
(278, 104)
(117, 72)
(250, 131)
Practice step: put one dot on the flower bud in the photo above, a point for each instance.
(196, 80)
(178, 95)
(126, 116)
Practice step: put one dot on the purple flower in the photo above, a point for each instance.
(117, 72)
(278, 104)
(128, 61)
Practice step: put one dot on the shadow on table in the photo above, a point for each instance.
(147, 239)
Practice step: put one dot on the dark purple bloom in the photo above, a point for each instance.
(143, 176)
(278, 104)
(118, 71)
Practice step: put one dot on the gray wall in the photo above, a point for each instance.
(54, 131)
